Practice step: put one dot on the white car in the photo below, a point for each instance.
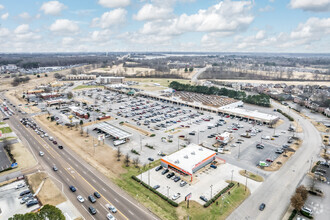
(111, 208)
(80, 199)
(110, 217)
(46, 135)
(176, 196)
(41, 153)
(21, 185)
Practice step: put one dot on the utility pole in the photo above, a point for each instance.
(239, 150)
(149, 177)
(178, 143)
(140, 143)
(232, 172)
(168, 193)
(245, 183)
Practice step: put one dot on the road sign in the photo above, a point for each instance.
(187, 197)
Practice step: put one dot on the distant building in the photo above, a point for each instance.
(110, 80)
(79, 112)
(50, 95)
(80, 77)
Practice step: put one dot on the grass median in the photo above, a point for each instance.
(6, 130)
(88, 87)
(251, 175)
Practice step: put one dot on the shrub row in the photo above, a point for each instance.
(152, 135)
(155, 191)
(223, 191)
(293, 214)
(285, 114)
(9, 168)
(135, 152)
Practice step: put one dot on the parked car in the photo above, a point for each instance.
(151, 159)
(176, 196)
(204, 198)
(72, 188)
(21, 185)
(213, 166)
(176, 179)
(165, 171)
(24, 192)
(159, 168)
(32, 203)
(262, 206)
(156, 187)
(325, 164)
(170, 175)
(183, 183)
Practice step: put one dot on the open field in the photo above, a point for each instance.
(162, 82)
(24, 158)
(49, 193)
(6, 130)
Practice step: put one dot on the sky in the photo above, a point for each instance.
(288, 26)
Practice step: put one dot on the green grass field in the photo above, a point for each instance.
(87, 87)
(165, 211)
(6, 130)
(162, 82)
(2, 123)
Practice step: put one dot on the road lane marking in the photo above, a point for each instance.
(67, 170)
(104, 190)
(94, 181)
(84, 172)
(130, 212)
(116, 200)
(69, 158)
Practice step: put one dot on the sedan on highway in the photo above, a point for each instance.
(80, 199)
(72, 188)
(41, 153)
(92, 210)
(111, 208)
(97, 195)
(110, 217)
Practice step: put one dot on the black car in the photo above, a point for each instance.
(165, 171)
(170, 175)
(32, 203)
(92, 210)
(176, 179)
(97, 195)
(325, 164)
(60, 147)
(204, 198)
(159, 168)
(151, 159)
(262, 206)
(91, 198)
(72, 188)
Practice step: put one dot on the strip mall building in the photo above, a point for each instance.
(188, 160)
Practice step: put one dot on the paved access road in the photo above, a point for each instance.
(278, 188)
(72, 170)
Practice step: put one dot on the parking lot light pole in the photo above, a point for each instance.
(232, 172)
(168, 193)
(245, 183)
(211, 191)
(239, 150)
(178, 143)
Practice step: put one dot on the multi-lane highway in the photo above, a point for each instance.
(72, 170)
(276, 191)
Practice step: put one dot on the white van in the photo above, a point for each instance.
(119, 142)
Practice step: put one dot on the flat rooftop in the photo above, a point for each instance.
(189, 157)
(113, 130)
(250, 114)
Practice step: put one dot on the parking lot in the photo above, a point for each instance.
(174, 126)
(204, 180)
(10, 200)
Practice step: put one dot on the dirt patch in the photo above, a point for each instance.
(283, 158)
(23, 158)
(278, 123)
(319, 126)
(102, 157)
(49, 193)
(146, 133)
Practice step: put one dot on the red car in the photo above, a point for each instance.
(227, 116)
(235, 129)
(269, 160)
(54, 142)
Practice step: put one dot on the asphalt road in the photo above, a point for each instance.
(72, 170)
(278, 188)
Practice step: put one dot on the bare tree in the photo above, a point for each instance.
(118, 154)
(302, 191)
(127, 160)
(136, 162)
(81, 131)
(297, 201)
(87, 132)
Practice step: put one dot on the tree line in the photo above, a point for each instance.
(262, 99)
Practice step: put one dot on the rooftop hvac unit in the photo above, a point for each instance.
(186, 156)
(201, 149)
(177, 161)
(193, 153)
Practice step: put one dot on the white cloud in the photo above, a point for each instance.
(114, 3)
(2, 7)
(151, 12)
(64, 26)
(5, 16)
(22, 29)
(226, 16)
(266, 8)
(311, 5)
(4, 32)
(260, 35)
(67, 40)
(52, 7)
(110, 18)
(25, 15)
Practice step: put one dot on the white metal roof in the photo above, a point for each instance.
(188, 157)
(250, 114)
(113, 130)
